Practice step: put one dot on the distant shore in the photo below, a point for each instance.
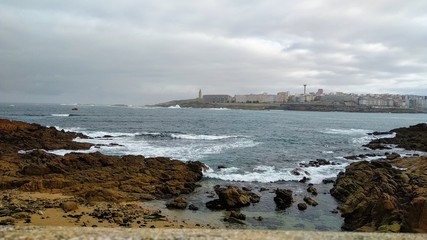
(313, 106)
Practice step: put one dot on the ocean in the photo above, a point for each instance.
(255, 149)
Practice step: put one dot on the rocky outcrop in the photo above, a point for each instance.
(375, 195)
(283, 198)
(232, 197)
(410, 138)
(387, 195)
(94, 176)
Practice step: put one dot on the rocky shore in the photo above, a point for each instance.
(387, 195)
(100, 185)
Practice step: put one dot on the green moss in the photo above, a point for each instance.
(394, 227)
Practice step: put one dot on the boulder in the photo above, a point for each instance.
(283, 198)
(310, 201)
(177, 203)
(69, 206)
(232, 197)
(312, 190)
(302, 206)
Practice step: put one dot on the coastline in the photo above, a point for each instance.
(316, 107)
(23, 170)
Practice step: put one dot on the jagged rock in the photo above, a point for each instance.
(328, 180)
(410, 138)
(317, 163)
(177, 203)
(310, 201)
(93, 176)
(302, 206)
(193, 207)
(312, 190)
(232, 197)
(283, 198)
(375, 194)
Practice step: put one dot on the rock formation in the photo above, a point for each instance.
(387, 195)
(283, 198)
(232, 197)
(411, 138)
(94, 177)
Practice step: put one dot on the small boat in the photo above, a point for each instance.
(74, 109)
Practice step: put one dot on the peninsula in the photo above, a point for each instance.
(313, 101)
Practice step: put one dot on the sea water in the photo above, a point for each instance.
(256, 149)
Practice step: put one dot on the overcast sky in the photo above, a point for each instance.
(144, 52)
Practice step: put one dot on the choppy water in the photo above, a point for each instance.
(258, 148)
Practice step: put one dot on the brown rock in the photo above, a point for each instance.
(302, 206)
(376, 194)
(310, 201)
(232, 197)
(69, 206)
(177, 203)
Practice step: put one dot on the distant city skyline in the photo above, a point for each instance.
(144, 52)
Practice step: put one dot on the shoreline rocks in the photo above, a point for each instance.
(390, 194)
(92, 176)
(231, 197)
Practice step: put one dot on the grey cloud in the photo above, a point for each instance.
(142, 52)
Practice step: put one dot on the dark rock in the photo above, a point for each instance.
(312, 190)
(302, 206)
(310, 201)
(328, 180)
(263, 189)
(283, 198)
(352, 157)
(393, 156)
(177, 203)
(216, 204)
(237, 215)
(193, 207)
(296, 171)
(304, 180)
(221, 167)
(411, 138)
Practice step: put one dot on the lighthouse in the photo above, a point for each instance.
(305, 92)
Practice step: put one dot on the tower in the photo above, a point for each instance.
(305, 92)
(200, 93)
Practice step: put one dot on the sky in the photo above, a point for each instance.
(144, 52)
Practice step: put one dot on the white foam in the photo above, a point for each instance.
(71, 129)
(200, 137)
(218, 109)
(327, 152)
(350, 131)
(62, 152)
(368, 138)
(176, 106)
(182, 150)
(60, 115)
(266, 174)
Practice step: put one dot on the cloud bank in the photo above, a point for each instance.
(144, 52)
